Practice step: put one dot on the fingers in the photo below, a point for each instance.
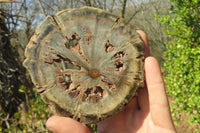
(158, 102)
(154, 98)
(143, 94)
(143, 37)
(59, 124)
(143, 100)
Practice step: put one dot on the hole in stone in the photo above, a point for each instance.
(74, 92)
(119, 55)
(99, 91)
(66, 81)
(119, 65)
(73, 41)
(88, 91)
(110, 85)
(108, 47)
(55, 57)
(75, 88)
(66, 85)
(73, 36)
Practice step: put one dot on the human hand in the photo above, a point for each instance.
(149, 112)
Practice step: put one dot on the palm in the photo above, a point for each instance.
(135, 118)
(131, 119)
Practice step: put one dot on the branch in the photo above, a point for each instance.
(137, 10)
(39, 2)
(112, 5)
(72, 4)
(88, 2)
(104, 6)
(100, 5)
(124, 8)
(94, 3)
(13, 1)
(43, 2)
(133, 16)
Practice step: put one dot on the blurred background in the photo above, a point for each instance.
(173, 29)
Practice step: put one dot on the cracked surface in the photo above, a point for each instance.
(86, 63)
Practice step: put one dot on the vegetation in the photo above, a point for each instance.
(31, 117)
(182, 58)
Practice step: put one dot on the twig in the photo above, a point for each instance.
(39, 2)
(13, 1)
(6, 121)
(112, 5)
(133, 15)
(43, 2)
(100, 5)
(124, 8)
(88, 2)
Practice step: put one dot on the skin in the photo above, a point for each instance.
(149, 112)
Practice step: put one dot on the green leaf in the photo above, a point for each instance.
(17, 115)
(22, 89)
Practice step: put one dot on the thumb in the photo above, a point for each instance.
(60, 124)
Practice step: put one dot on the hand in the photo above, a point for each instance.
(149, 112)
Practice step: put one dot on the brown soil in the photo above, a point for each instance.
(184, 126)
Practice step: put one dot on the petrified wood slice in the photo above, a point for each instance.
(86, 63)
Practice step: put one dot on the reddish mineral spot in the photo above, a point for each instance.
(94, 73)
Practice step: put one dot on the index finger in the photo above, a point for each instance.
(158, 102)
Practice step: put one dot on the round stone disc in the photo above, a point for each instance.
(86, 63)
